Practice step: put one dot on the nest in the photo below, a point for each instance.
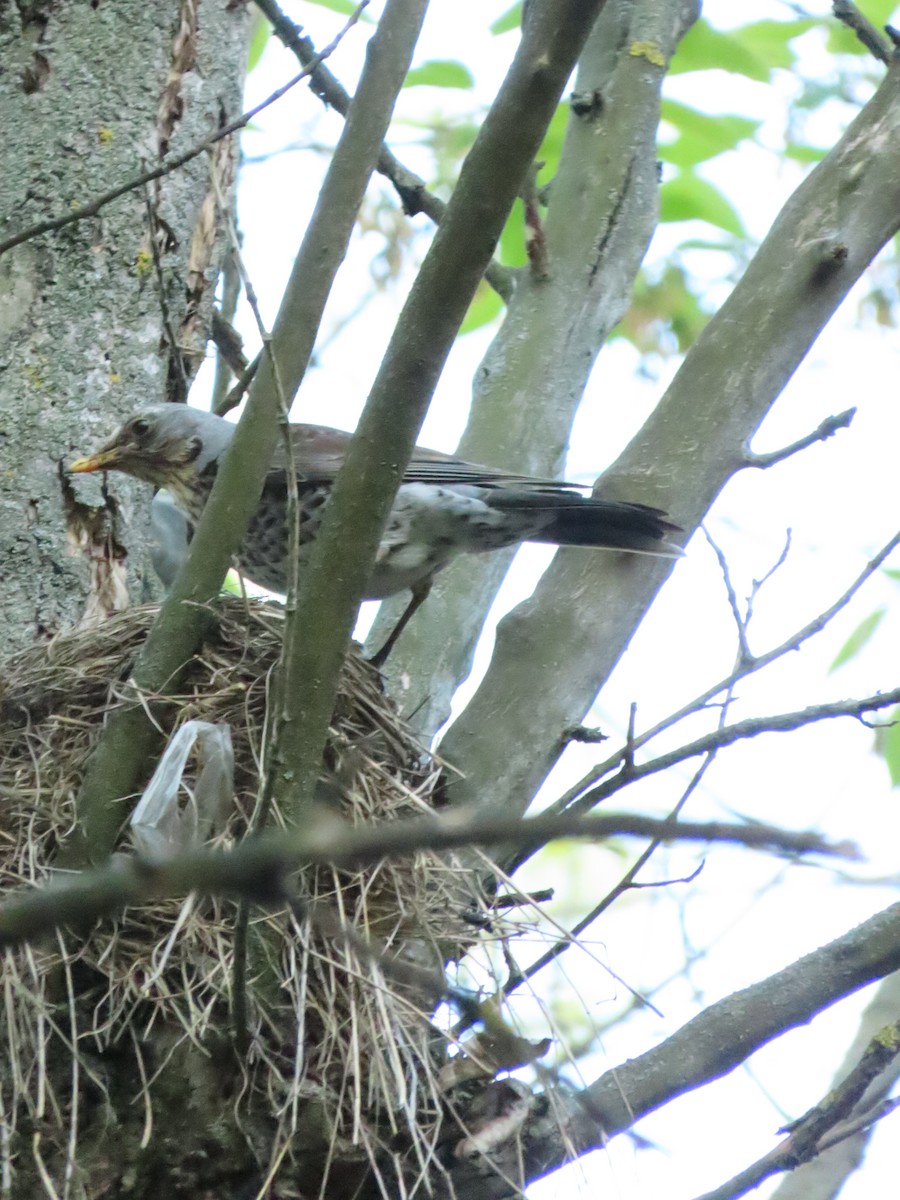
(103, 1029)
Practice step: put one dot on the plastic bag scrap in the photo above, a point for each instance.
(161, 824)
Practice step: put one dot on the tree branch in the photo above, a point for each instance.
(703, 1050)
(827, 429)
(728, 1032)
(685, 453)
(729, 734)
(602, 211)
(344, 549)
(848, 14)
(817, 1129)
(823, 1178)
(256, 869)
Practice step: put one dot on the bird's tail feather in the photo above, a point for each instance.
(574, 520)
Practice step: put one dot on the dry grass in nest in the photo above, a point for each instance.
(333, 1048)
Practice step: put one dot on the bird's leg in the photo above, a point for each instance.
(419, 595)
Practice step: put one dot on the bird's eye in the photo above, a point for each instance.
(140, 428)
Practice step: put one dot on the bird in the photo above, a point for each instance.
(445, 506)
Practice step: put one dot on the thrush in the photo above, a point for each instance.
(445, 506)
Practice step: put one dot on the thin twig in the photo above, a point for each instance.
(626, 883)
(535, 238)
(570, 800)
(244, 379)
(230, 357)
(740, 619)
(242, 924)
(740, 731)
(828, 428)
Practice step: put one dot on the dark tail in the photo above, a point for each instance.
(568, 519)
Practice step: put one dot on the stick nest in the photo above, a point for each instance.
(119, 1068)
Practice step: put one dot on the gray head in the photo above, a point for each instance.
(169, 446)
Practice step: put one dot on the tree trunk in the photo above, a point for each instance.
(90, 96)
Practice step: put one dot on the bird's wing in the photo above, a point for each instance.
(427, 466)
(319, 451)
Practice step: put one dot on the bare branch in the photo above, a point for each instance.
(341, 556)
(849, 15)
(709, 1046)
(535, 238)
(740, 619)
(226, 338)
(817, 1130)
(728, 1032)
(258, 866)
(629, 879)
(827, 429)
(824, 1178)
(582, 612)
(813, 627)
(175, 356)
(729, 734)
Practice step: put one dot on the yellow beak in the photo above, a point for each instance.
(102, 460)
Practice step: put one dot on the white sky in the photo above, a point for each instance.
(840, 501)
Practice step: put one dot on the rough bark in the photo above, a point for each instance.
(89, 95)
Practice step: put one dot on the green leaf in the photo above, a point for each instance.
(858, 638)
(260, 32)
(892, 573)
(880, 12)
(440, 72)
(701, 137)
(511, 19)
(512, 239)
(687, 197)
(345, 7)
(551, 146)
(664, 316)
(769, 40)
(704, 48)
(887, 745)
(485, 306)
(752, 50)
(804, 154)
(725, 247)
